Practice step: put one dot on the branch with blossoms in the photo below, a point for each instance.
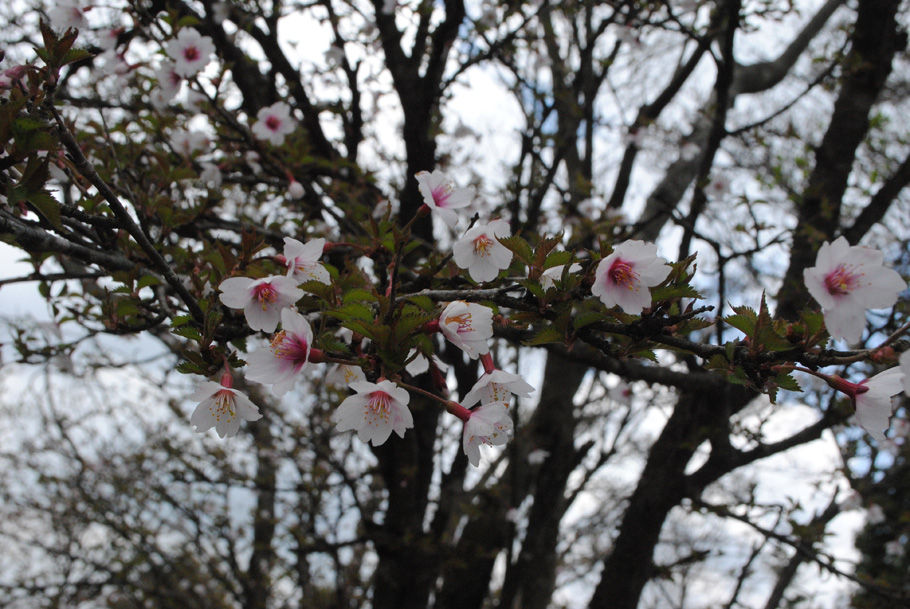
(613, 306)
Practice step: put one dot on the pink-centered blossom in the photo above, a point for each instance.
(169, 84)
(846, 280)
(375, 411)
(261, 299)
(489, 425)
(872, 399)
(222, 407)
(66, 14)
(480, 252)
(286, 356)
(190, 51)
(468, 326)
(273, 123)
(442, 196)
(624, 277)
(497, 386)
(302, 260)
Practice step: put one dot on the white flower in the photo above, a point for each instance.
(295, 189)
(441, 196)
(107, 38)
(261, 299)
(302, 260)
(286, 356)
(621, 393)
(468, 326)
(187, 143)
(553, 274)
(190, 51)
(846, 280)
(66, 14)
(875, 514)
(905, 368)
(490, 425)
(343, 375)
(538, 456)
(718, 187)
(481, 253)
(274, 123)
(375, 411)
(169, 83)
(873, 407)
(497, 386)
(210, 175)
(623, 277)
(221, 407)
(420, 364)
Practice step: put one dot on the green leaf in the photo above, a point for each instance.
(545, 336)
(744, 320)
(424, 302)
(586, 318)
(519, 247)
(557, 259)
(46, 205)
(359, 295)
(353, 310)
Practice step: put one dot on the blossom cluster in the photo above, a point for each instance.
(845, 281)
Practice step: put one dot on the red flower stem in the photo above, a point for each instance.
(487, 360)
(837, 382)
(452, 407)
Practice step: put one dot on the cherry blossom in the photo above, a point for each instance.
(169, 84)
(468, 326)
(481, 253)
(273, 123)
(872, 399)
(210, 174)
(441, 196)
(343, 375)
(302, 260)
(287, 355)
(188, 143)
(497, 386)
(222, 407)
(623, 277)
(420, 364)
(553, 274)
(489, 424)
(190, 51)
(66, 14)
(905, 368)
(261, 299)
(295, 189)
(846, 280)
(375, 411)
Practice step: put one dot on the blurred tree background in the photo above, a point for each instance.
(662, 462)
